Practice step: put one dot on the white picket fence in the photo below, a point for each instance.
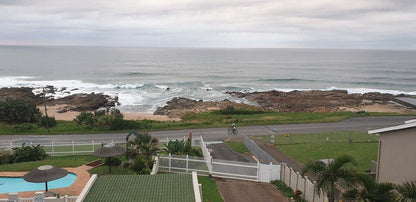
(78, 147)
(218, 168)
(304, 184)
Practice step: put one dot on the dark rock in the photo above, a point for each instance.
(310, 101)
(23, 93)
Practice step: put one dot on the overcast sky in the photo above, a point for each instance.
(370, 24)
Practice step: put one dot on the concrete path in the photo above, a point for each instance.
(244, 191)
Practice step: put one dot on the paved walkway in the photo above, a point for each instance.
(74, 190)
(245, 191)
(239, 190)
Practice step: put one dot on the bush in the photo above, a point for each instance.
(47, 122)
(26, 153)
(181, 147)
(287, 191)
(23, 128)
(5, 155)
(114, 161)
(18, 112)
(111, 120)
(142, 165)
(85, 118)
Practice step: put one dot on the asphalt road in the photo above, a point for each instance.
(219, 134)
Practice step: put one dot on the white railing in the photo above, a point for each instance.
(155, 167)
(79, 147)
(182, 164)
(207, 154)
(218, 168)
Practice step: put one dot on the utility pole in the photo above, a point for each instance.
(46, 111)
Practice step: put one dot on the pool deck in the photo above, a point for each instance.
(74, 190)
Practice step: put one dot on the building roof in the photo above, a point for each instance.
(407, 124)
(149, 188)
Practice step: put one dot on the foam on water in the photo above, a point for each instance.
(140, 97)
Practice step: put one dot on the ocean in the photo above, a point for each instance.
(146, 78)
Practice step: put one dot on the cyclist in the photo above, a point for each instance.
(234, 128)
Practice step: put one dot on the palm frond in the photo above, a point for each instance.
(315, 167)
(341, 161)
(406, 191)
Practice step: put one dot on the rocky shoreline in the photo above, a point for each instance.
(76, 102)
(294, 101)
(312, 100)
(279, 101)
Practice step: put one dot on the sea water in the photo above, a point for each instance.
(146, 78)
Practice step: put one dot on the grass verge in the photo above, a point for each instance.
(61, 161)
(312, 147)
(210, 191)
(201, 120)
(239, 147)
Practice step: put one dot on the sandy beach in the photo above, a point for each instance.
(70, 115)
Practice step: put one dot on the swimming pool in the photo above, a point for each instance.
(18, 184)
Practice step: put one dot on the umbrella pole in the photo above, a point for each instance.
(109, 165)
(46, 184)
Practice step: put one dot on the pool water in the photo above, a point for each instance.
(18, 184)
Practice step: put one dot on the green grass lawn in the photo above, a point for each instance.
(311, 147)
(62, 161)
(201, 120)
(209, 190)
(335, 137)
(239, 147)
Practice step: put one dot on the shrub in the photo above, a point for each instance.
(27, 153)
(47, 122)
(23, 128)
(18, 112)
(181, 147)
(142, 165)
(287, 191)
(111, 120)
(5, 155)
(114, 161)
(86, 118)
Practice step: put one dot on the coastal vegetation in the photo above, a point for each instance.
(22, 154)
(188, 121)
(181, 147)
(18, 112)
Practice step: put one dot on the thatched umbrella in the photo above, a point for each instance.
(45, 174)
(108, 151)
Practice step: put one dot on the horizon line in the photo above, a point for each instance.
(188, 47)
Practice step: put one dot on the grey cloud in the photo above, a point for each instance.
(215, 23)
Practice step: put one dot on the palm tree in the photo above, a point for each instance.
(329, 174)
(367, 189)
(406, 192)
(143, 144)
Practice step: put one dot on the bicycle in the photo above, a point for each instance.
(232, 131)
